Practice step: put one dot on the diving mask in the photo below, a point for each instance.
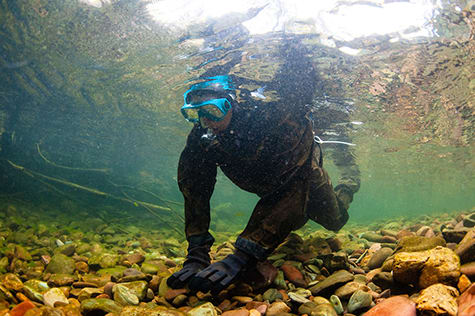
(209, 99)
(214, 109)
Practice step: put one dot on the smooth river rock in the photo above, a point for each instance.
(332, 282)
(393, 306)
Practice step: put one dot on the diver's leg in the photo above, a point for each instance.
(324, 206)
(274, 217)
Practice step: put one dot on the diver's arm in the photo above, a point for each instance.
(196, 180)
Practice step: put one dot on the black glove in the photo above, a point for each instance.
(196, 260)
(221, 274)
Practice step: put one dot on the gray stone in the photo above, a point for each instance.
(104, 261)
(138, 288)
(324, 310)
(124, 295)
(34, 289)
(271, 295)
(336, 304)
(61, 264)
(67, 250)
(378, 257)
(92, 306)
(372, 236)
(359, 300)
(344, 292)
(54, 295)
(466, 248)
(298, 298)
(333, 281)
(206, 309)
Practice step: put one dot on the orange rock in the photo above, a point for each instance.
(184, 309)
(393, 306)
(21, 308)
(293, 275)
(466, 302)
(21, 297)
(82, 267)
(404, 233)
(285, 296)
(224, 305)
(74, 302)
(236, 312)
(463, 283)
(262, 308)
(172, 293)
(254, 312)
(256, 305)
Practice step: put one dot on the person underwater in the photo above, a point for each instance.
(267, 150)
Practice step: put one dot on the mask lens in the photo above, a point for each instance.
(212, 110)
(192, 114)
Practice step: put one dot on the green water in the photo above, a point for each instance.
(100, 88)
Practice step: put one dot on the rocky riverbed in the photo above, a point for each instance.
(420, 266)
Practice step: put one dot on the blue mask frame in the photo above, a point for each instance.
(218, 84)
(222, 104)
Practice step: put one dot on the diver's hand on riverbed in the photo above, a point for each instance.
(221, 274)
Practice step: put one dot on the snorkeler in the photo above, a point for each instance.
(267, 148)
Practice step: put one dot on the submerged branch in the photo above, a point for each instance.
(164, 201)
(152, 212)
(84, 188)
(105, 170)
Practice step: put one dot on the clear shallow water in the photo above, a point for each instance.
(100, 88)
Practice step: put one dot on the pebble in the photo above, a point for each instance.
(377, 259)
(335, 301)
(242, 299)
(359, 300)
(34, 289)
(236, 312)
(437, 299)
(333, 281)
(324, 310)
(297, 298)
(22, 308)
(293, 275)
(277, 308)
(466, 248)
(424, 268)
(271, 295)
(345, 291)
(463, 283)
(124, 296)
(393, 306)
(172, 293)
(466, 302)
(206, 309)
(11, 282)
(54, 296)
(100, 305)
